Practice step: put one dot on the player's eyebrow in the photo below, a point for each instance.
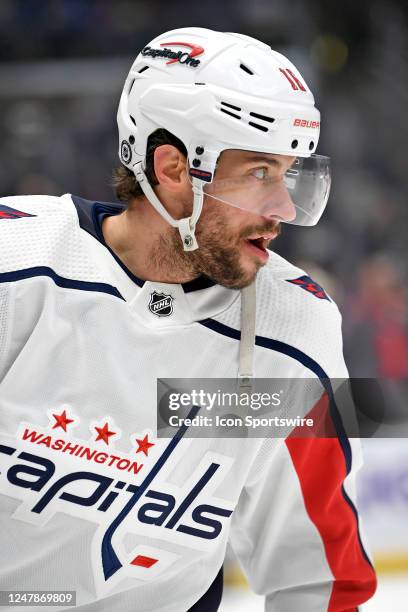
(271, 161)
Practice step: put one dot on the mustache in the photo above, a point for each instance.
(274, 227)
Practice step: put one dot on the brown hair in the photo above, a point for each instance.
(123, 179)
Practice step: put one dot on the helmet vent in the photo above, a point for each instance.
(257, 126)
(263, 117)
(143, 69)
(132, 119)
(237, 108)
(246, 69)
(227, 112)
(131, 85)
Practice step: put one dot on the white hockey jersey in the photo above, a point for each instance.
(90, 499)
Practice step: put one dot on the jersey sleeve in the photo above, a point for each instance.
(295, 529)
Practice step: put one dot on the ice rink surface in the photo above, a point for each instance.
(391, 596)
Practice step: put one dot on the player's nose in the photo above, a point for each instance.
(281, 206)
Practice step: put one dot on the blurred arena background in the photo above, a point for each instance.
(62, 67)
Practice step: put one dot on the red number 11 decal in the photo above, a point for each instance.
(293, 80)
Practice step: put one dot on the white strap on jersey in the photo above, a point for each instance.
(247, 343)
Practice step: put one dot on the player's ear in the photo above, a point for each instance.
(170, 168)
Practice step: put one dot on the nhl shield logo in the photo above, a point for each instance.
(161, 304)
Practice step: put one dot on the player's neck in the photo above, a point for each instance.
(145, 243)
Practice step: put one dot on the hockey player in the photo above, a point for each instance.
(217, 136)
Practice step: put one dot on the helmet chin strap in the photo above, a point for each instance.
(186, 226)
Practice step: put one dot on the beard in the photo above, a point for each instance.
(219, 256)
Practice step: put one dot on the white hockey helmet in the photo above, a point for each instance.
(216, 91)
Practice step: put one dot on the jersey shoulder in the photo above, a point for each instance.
(30, 227)
(279, 270)
(295, 309)
(290, 302)
(43, 232)
(13, 208)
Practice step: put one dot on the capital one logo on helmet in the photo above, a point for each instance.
(182, 57)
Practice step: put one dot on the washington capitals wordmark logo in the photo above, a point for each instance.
(181, 57)
(308, 284)
(161, 304)
(130, 496)
(12, 213)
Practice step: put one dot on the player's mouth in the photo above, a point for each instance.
(258, 243)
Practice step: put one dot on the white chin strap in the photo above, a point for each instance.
(186, 226)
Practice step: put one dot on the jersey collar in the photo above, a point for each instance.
(158, 304)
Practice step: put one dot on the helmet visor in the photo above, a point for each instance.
(297, 195)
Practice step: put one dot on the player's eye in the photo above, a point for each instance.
(260, 173)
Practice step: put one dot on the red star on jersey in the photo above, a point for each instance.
(143, 445)
(104, 433)
(62, 420)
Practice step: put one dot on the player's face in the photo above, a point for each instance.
(232, 241)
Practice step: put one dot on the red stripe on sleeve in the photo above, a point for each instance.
(321, 469)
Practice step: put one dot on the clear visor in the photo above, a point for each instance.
(297, 195)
